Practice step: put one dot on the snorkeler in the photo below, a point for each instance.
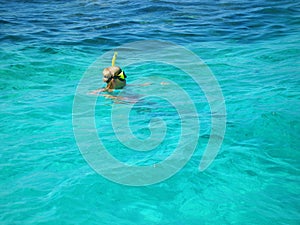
(113, 76)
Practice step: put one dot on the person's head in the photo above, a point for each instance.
(110, 72)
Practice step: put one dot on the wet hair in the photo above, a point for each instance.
(111, 71)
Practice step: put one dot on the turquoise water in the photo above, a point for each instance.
(252, 48)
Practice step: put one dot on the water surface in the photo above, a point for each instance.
(252, 47)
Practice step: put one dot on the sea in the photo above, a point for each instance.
(206, 130)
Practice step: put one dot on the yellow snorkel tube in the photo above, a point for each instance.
(114, 58)
(121, 75)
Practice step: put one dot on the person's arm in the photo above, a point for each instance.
(97, 91)
(108, 88)
(140, 85)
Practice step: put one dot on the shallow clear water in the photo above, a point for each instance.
(253, 49)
